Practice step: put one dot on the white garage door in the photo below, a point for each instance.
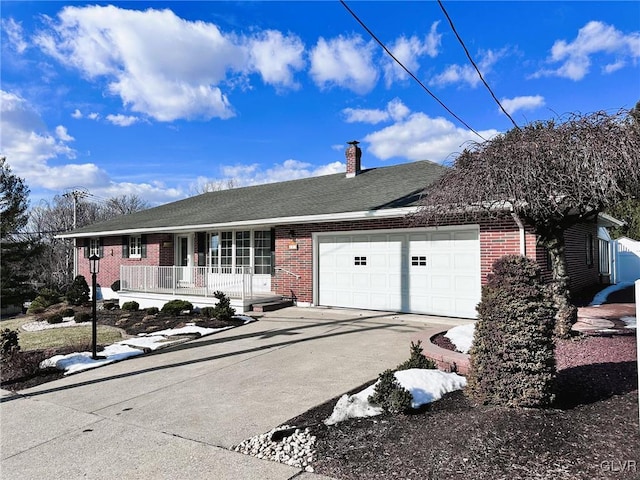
(432, 272)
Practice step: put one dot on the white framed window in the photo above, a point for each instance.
(241, 248)
(94, 247)
(262, 251)
(135, 246)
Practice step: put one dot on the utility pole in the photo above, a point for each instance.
(76, 195)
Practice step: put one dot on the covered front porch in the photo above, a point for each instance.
(156, 285)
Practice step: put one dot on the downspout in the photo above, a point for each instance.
(523, 239)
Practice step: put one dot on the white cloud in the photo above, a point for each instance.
(276, 57)
(363, 115)
(526, 102)
(93, 116)
(420, 137)
(396, 110)
(408, 51)
(77, 114)
(163, 66)
(63, 134)
(346, 62)
(14, 33)
(592, 39)
(466, 74)
(245, 175)
(122, 120)
(30, 150)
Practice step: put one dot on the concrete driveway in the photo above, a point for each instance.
(175, 413)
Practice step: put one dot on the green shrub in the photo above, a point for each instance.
(390, 395)
(35, 307)
(512, 360)
(78, 292)
(131, 306)
(49, 296)
(417, 359)
(54, 318)
(9, 342)
(67, 312)
(223, 309)
(152, 310)
(207, 312)
(176, 307)
(115, 286)
(81, 317)
(109, 305)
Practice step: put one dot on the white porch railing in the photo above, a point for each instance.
(237, 282)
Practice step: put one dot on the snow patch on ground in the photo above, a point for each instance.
(188, 329)
(462, 337)
(148, 342)
(426, 386)
(66, 322)
(630, 322)
(76, 362)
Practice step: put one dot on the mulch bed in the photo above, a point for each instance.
(589, 434)
(21, 370)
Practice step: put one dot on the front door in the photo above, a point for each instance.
(184, 256)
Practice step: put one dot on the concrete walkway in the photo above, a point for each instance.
(174, 414)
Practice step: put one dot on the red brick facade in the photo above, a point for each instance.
(293, 276)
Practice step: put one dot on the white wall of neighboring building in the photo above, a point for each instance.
(627, 260)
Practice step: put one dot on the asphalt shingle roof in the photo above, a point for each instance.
(373, 189)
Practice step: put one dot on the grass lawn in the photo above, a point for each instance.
(58, 337)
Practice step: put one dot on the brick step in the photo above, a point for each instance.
(271, 306)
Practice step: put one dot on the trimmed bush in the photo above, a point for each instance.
(49, 296)
(512, 360)
(390, 395)
(208, 312)
(131, 306)
(223, 309)
(78, 292)
(176, 307)
(152, 310)
(67, 312)
(115, 286)
(110, 305)
(417, 359)
(9, 342)
(35, 307)
(81, 317)
(54, 318)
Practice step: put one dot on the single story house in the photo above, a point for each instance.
(342, 240)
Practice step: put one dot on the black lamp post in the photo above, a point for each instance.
(94, 268)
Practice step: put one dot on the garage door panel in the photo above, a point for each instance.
(436, 272)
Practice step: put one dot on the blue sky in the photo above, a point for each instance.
(157, 98)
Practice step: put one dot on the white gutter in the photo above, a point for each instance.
(327, 217)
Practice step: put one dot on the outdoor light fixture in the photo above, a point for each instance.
(94, 268)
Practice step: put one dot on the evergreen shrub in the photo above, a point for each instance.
(417, 359)
(390, 395)
(152, 310)
(54, 318)
(78, 292)
(131, 306)
(176, 307)
(223, 309)
(9, 342)
(512, 360)
(81, 317)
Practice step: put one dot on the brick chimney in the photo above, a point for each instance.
(353, 154)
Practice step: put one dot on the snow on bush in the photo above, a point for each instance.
(425, 386)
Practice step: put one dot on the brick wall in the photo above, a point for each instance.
(160, 251)
(294, 268)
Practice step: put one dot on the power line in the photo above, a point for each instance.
(474, 64)
(408, 71)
